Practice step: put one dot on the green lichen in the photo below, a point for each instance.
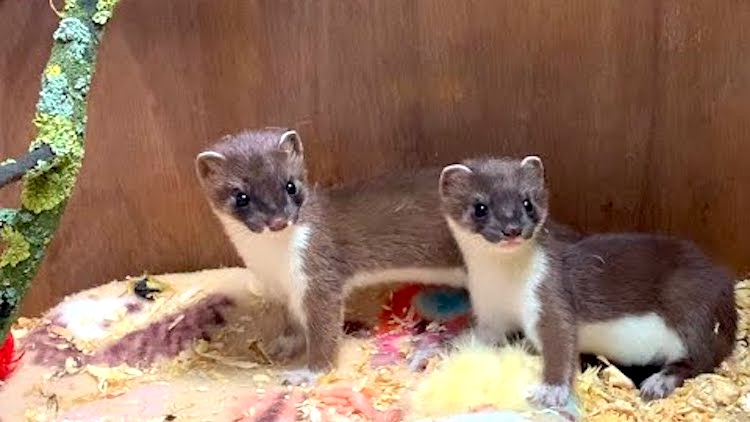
(16, 248)
(81, 125)
(44, 189)
(70, 5)
(7, 216)
(83, 84)
(74, 32)
(57, 132)
(104, 9)
(51, 188)
(55, 98)
(8, 161)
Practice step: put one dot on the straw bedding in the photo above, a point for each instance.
(210, 364)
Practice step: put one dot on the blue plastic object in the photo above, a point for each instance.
(442, 304)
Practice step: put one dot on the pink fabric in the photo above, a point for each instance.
(149, 401)
(388, 348)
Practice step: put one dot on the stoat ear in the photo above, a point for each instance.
(208, 163)
(452, 176)
(533, 165)
(290, 142)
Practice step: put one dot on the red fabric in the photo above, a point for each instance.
(399, 307)
(8, 358)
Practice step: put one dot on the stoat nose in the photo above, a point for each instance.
(512, 231)
(277, 223)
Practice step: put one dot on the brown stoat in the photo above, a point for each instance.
(637, 299)
(311, 245)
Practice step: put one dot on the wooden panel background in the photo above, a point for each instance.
(640, 108)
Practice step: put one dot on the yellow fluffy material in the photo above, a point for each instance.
(476, 376)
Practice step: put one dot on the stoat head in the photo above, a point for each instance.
(503, 200)
(256, 177)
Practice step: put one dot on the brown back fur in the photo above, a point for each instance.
(614, 275)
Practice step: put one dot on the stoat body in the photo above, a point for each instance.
(310, 246)
(636, 299)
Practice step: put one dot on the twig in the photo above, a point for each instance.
(13, 171)
(54, 9)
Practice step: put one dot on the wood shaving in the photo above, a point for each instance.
(720, 396)
(605, 394)
(201, 349)
(113, 380)
(72, 366)
(259, 352)
(175, 322)
(61, 332)
(23, 326)
(261, 378)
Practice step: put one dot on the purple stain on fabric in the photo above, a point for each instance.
(426, 346)
(50, 350)
(133, 307)
(166, 337)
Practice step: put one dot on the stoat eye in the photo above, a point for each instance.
(528, 206)
(480, 210)
(291, 188)
(241, 200)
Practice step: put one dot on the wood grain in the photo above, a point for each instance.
(638, 108)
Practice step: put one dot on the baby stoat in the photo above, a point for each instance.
(637, 299)
(309, 245)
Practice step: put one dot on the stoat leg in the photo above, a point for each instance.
(320, 311)
(290, 343)
(557, 335)
(699, 358)
(323, 331)
(286, 346)
(671, 376)
(659, 385)
(550, 395)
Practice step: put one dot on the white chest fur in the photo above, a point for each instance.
(502, 285)
(275, 258)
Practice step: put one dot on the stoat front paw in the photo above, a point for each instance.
(286, 346)
(300, 377)
(549, 396)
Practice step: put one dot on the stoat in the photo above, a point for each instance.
(637, 299)
(310, 246)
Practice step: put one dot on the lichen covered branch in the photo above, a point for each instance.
(50, 169)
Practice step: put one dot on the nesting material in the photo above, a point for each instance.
(476, 377)
(224, 376)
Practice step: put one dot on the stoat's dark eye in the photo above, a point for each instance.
(480, 210)
(241, 199)
(528, 206)
(291, 188)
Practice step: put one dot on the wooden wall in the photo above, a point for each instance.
(640, 108)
